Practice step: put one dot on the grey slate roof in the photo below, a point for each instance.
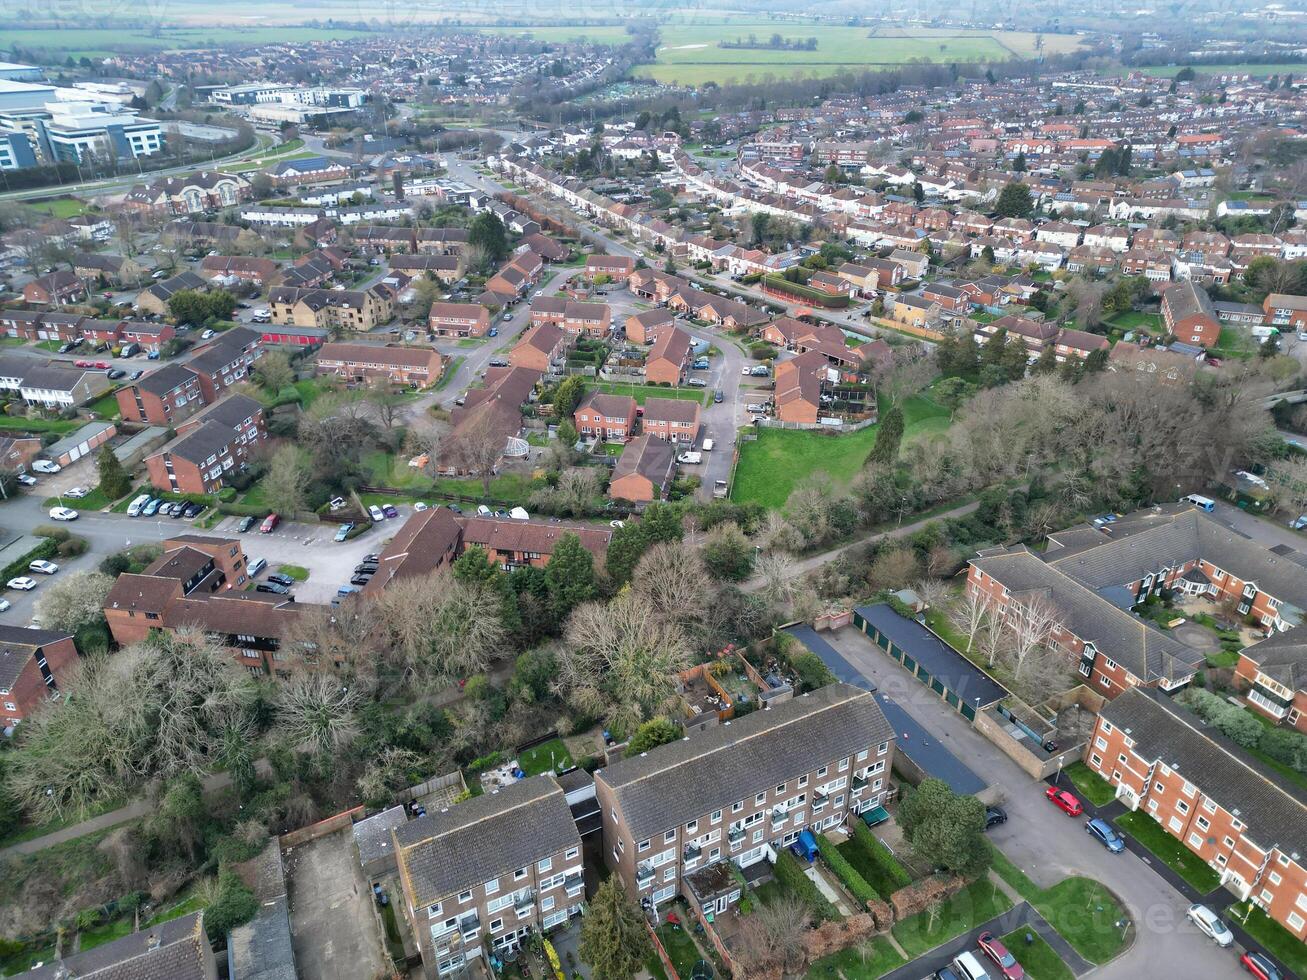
(180, 953)
(1275, 812)
(1283, 657)
(683, 780)
(261, 949)
(448, 852)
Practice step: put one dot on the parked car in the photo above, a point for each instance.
(136, 375)
(26, 479)
(366, 567)
(43, 566)
(390, 510)
(1106, 834)
(419, 507)
(63, 514)
(4, 605)
(967, 967)
(498, 362)
(245, 524)
(46, 466)
(1064, 801)
(136, 506)
(342, 532)
(77, 493)
(360, 580)
(255, 566)
(690, 458)
(269, 524)
(281, 579)
(1260, 966)
(151, 507)
(696, 383)
(276, 588)
(994, 815)
(206, 335)
(129, 350)
(376, 513)
(718, 397)
(494, 332)
(22, 583)
(192, 510)
(1210, 924)
(991, 946)
(116, 373)
(508, 317)
(65, 348)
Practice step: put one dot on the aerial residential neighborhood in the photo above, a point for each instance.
(778, 492)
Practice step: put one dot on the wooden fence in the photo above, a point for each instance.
(322, 828)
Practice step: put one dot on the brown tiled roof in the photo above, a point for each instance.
(538, 537)
(426, 542)
(176, 950)
(650, 457)
(142, 593)
(670, 410)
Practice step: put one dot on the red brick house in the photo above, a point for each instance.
(540, 348)
(1077, 344)
(1272, 675)
(1211, 796)
(165, 397)
(149, 334)
(611, 418)
(644, 471)
(673, 419)
(256, 271)
(512, 544)
(591, 319)
(209, 447)
(59, 288)
(415, 367)
(669, 358)
(1188, 313)
(612, 266)
(641, 327)
(458, 320)
(226, 360)
(33, 663)
(1285, 310)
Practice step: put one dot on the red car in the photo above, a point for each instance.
(1009, 968)
(269, 524)
(83, 363)
(101, 365)
(1064, 801)
(1260, 966)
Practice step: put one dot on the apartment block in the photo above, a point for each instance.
(481, 875)
(167, 396)
(416, 367)
(744, 790)
(209, 447)
(32, 664)
(1247, 824)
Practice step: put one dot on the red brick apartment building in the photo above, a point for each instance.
(226, 360)
(1272, 675)
(735, 792)
(32, 664)
(208, 447)
(458, 320)
(1092, 577)
(167, 396)
(416, 367)
(1243, 821)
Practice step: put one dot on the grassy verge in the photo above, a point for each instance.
(1279, 941)
(447, 375)
(1037, 958)
(545, 757)
(106, 406)
(1083, 911)
(298, 572)
(1090, 784)
(978, 902)
(107, 933)
(873, 958)
(95, 500)
(21, 424)
(642, 392)
(1168, 850)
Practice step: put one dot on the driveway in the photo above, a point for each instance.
(1048, 846)
(335, 933)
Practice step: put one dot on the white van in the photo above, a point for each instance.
(1202, 503)
(707, 445)
(969, 967)
(484, 511)
(134, 508)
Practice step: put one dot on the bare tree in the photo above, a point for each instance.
(671, 578)
(1030, 625)
(71, 603)
(968, 614)
(287, 482)
(772, 937)
(387, 403)
(1289, 476)
(909, 372)
(441, 628)
(477, 448)
(317, 711)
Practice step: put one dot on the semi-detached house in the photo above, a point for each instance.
(742, 791)
(1247, 824)
(482, 875)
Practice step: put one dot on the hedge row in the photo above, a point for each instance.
(800, 291)
(790, 874)
(892, 875)
(853, 881)
(49, 548)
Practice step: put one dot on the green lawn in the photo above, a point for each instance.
(874, 958)
(680, 948)
(546, 757)
(1037, 958)
(1090, 784)
(298, 572)
(19, 423)
(1083, 911)
(184, 906)
(1235, 342)
(106, 406)
(1282, 944)
(642, 392)
(1168, 850)
(978, 902)
(95, 500)
(59, 207)
(775, 464)
(12, 965)
(1135, 319)
(106, 933)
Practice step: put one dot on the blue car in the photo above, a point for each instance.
(1104, 831)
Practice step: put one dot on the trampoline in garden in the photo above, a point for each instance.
(702, 970)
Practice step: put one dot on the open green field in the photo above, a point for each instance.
(101, 42)
(691, 55)
(774, 465)
(59, 207)
(613, 34)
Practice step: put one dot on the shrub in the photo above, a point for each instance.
(813, 672)
(234, 906)
(893, 875)
(790, 874)
(853, 881)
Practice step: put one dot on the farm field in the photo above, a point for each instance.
(774, 465)
(98, 43)
(690, 54)
(1170, 71)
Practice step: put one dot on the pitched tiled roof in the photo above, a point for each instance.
(17, 644)
(670, 410)
(425, 542)
(682, 780)
(1283, 657)
(485, 837)
(1274, 810)
(649, 456)
(176, 950)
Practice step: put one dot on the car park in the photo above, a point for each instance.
(192, 510)
(1210, 924)
(342, 532)
(43, 566)
(281, 579)
(137, 505)
(269, 524)
(255, 566)
(1008, 967)
(968, 967)
(1064, 801)
(63, 514)
(46, 466)
(22, 583)
(376, 513)
(994, 815)
(1260, 966)
(245, 524)
(1106, 834)
(275, 588)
